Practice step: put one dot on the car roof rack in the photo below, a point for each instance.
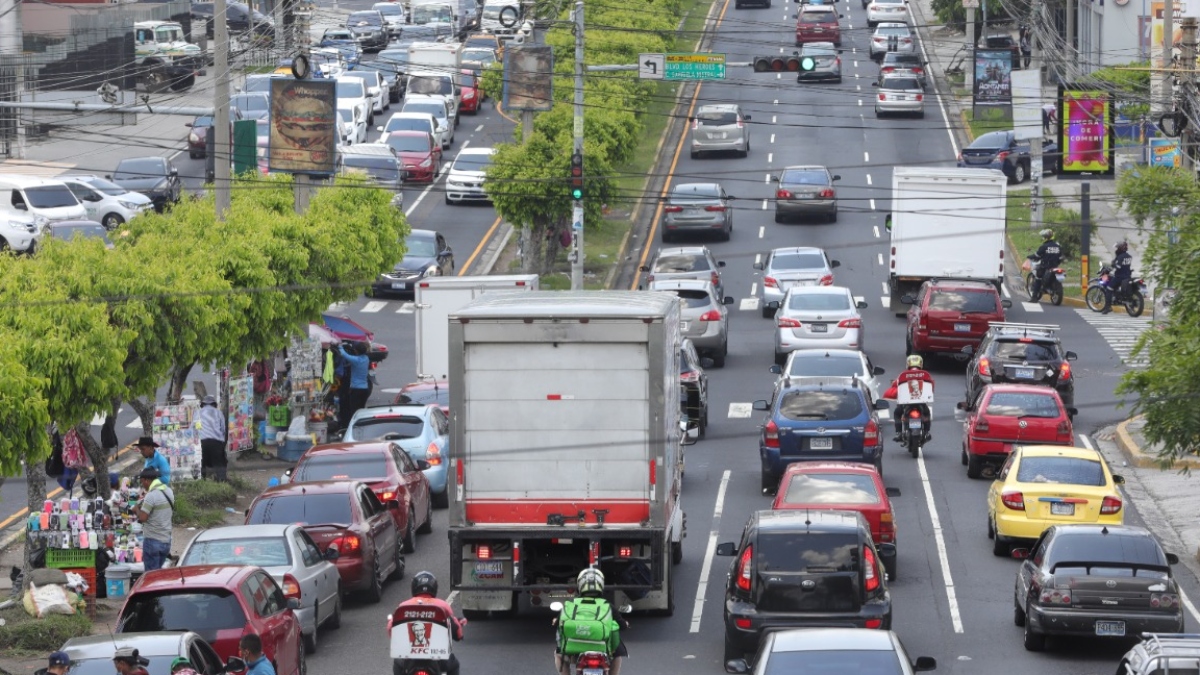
(1024, 329)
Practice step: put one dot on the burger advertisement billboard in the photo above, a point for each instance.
(304, 126)
(1085, 131)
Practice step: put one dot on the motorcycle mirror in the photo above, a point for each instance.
(625, 609)
(776, 370)
(1006, 304)
(737, 666)
(556, 606)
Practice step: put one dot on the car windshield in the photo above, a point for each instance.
(253, 102)
(50, 197)
(825, 366)
(472, 162)
(963, 301)
(493, 11)
(408, 143)
(820, 404)
(1025, 351)
(302, 509)
(106, 187)
(381, 168)
(407, 124)
(901, 31)
(395, 427)
(430, 13)
(261, 551)
(797, 261)
(439, 396)
(875, 662)
(692, 299)
(995, 139)
(831, 488)
(435, 108)
(716, 118)
(1067, 470)
(900, 83)
(420, 247)
(829, 302)
(813, 552)
(1022, 404)
(804, 177)
(697, 192)
(817, 17)
(94, 231)
(359, 19)
(202, 122)
(148, 167)
(675, 264)
(345, 115)
(342, 466)
(431, 85)
(481, 55)
(205, 612)
(353, 88)
(388, 8)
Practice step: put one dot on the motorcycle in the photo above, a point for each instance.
(420, 640)
(588, 662)
(1052, 286)
(1131, 295)
(914, 406)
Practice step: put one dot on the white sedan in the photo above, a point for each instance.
(820, 363)
(351, 129)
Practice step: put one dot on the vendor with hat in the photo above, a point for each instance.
(155, 512)
(59, 664)
(181, 666)
(154, 459)
(127, 661)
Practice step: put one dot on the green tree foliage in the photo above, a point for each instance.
(1130, 84)
(1166, 391)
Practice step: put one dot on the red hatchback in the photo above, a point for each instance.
(472, 95)
(419, 154)
(842, 486)
(221, 603)
(344, 516)
(1009, 415)
(395, 478)
(818, 23)
(949, 314)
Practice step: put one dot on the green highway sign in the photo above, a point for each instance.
(693, 67)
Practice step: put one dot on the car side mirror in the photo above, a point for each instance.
(746, 118)
(720, 263)
(1118, 479)
(234, 665)
(691, 434)
(1172, 559)
(961, 405)
(775, 179)
(1071, 412)
(1020, 553)
(837, 176)
(392, 504)
(834, 264)
(108, 176)
(173, 172)
(841, 16)
(908, 300)
(727, 300)
(738, 666)
(874, 84)
(726, 548)
(422, 465)
(1070, 356)
(644, 268)
(878, 370)
(861, 305)
(337, 435)
(881, 404)
(892, 491)
(757, 266)
(774, 304)
(924, 663)
(761, 405)
(188, 125)
(293, 604)
(706, 362)
(331, 554)
(1006, 304)
(776, 369)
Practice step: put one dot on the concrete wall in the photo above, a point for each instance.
(1108, 33)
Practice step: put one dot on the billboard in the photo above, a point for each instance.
(304, 126)
(1165, 152)
(1085, 131)
(528, 77)
(993, 84)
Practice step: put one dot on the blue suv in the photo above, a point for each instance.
(825, 419)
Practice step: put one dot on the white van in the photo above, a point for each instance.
(40, 197)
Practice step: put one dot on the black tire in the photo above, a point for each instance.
(1018, 616)
(310, 641)
(726, 234)
(676, 552)
(719, 357)
(914, 448)
(374, 592)
(1094, 298)
(408, 542)
(1056, 295)
(695, 155)
(991, 532)
(335, 621)
(300, 656)
(833, 216)
(770, 482)
(1029, 287)
(778, 218)
(427, 526)
(1000, 547)
(441, 501)
(974, 466)
(780, 359)
(732, 651)
(112, 221)
(1034, 642)
(398, 571)
(1135, 305)
(666, 238)
(767, 312)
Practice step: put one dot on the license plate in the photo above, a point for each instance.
(1110, 628)
(1061, 277)
(820, 443)
(818, 327)
(962, 328)
(721, 135)
(683, 326)
(489, 569)
(399, 287)
(592, 671)
(1062, 509)
(1023, 373)
(914, 424)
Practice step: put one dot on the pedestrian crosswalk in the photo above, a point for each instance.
(373, 307)
(1121, 332)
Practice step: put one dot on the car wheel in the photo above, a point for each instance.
(1034, 642)
(112, 221)
(719, 357)
(1018, 615)
(1000, 546)
(732, 651)
(991, 532)
(666, 238)
(310, 641)
(398, 570)
(676, 552)
(767, 312)
(964, 456)
(833, 216)
(374, 592)
(704, 423)
(695, 155)
(301, 661)
(1020, 173)
(778, 218)
(441, 501)
(335, 621)
(890, 569)
(726, 233)
(974, 466)
(427, 526)
(409, 541)
(780, 359)
(770, 482)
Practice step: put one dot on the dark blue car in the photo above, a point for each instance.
(999, 150)
(826, 419)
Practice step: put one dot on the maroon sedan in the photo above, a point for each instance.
(426, 393)
(392, 474)
(419, 154)
(346, 517)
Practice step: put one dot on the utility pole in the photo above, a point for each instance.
(10, 48)
(1168, 56)
(969, 61)
(1085, 234)
(222, 144)
(302, 185)
(577, 210)
(1188, 81)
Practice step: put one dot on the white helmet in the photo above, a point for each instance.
(590, 582)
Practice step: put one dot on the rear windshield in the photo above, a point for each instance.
(1025, 351)
(963, 301)
(899, 59)
(342, 466)
(820, 405)
(351, 88)
(812, 552)
(406, 143)
(1099, 548)
(205, 612)
(692, 299)
(438, 110)
(681, 263)
(797, 261)
(716, 118)
(817, 17)
(1068, 470)
(261, 551)
(902, 31)
(826, 366)
(437, 86)
(440, 396)
(804, 178)
(1013, 404)
(407, 124)
(900, 83)
(302, 509)
(876, 662)
(397, 427)
(50, 196)
(832, 488)
(690, 192)
(995, 139)
(829, 302)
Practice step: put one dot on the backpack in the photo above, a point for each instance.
(587, 625)
(74, 456)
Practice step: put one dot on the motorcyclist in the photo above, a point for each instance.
(1047, 257)
(424, 590)
(1122, 272)
(590, 584)
(914, 371)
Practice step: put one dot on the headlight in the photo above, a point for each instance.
(129, 205)
(427, 163)
(19, 225)
(193, 138)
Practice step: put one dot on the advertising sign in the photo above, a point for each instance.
(304, 126)
(993, 84)
(529, 78)
(1165, 152)
(1085, 131)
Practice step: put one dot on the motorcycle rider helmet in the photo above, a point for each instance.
(590, 582)
(424, 583)
(915, 361)
(1047, 234)
(1122, 247)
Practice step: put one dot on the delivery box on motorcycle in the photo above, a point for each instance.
(914, 392)
(420, 633)
(587, 625)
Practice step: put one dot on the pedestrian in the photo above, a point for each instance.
(213, 461)
(155, 512)
(1026, 50)
(181, 666)
(251, 650)
(1049, 117)
(127, 661)
(355, 397)
(108, 435)
(59, 664)
(154, 458)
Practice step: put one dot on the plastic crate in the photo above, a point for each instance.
(89, 575)
(64, 558)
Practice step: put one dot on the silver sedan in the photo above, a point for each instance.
(806, 191)
(900, 94)
(827, 65)
(701, 208)
(703, 317)
(794, 266)
(822, 363)
(817, 317)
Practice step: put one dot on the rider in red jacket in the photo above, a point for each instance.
(914, 372)
(424, 589)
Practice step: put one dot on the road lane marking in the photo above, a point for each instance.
(464, 145)
(762, 231)
(767, 178)
(770, 157)
(940, 539)
(860, 102)
(885, 288)
(880, 258)
(779, 76)
(757, 258)
(421, 197)
(764, 208)
(773, 117)
(741, 411)
(868, 179)
(866, 156)
(775, 102)
(373, 306)
(702, 587)
(872, 204)
(875, 229)
(1033, 307)
(885, 301)
(482, 243)
(754, 289)
(1004, 290)
(748, 305)
(479, 128)
(135, 424)
(772, 138)
(407, 308)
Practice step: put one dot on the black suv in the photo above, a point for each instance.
(693, 383)
(797, 569)
(1020, 354)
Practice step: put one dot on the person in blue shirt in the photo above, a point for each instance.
(251, 650)
(354, 397)
(154, 459)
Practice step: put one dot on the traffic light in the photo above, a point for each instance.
(778, 64)
(577, 176)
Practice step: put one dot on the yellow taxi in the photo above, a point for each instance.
(485, 40)
(1044, 485)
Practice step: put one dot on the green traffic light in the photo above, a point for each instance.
(577, 194)
(807, 63)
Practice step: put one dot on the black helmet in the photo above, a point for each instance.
(1122, 247)
(424, 583)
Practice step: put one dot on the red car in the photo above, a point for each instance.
(345, 516)
(395, 478)
(419, 154)
(221, 603)
(842, 486)
(949, 314)
(1008, 415)
(472, 95)
(426, 393)
(818, 23)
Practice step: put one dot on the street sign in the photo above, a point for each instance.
(650, 66)
(694, 67)
(970, 4)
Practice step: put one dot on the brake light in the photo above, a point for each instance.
(1164, 600)
(920, 97)
(882, 96)
(827, 280)
(672, 209)
(1064, 431)
(715, 208)
(874, 623)
(783, 194)
(770, 282)
(981, 425)
(716, 279)
(743, 623)
(433, 455)
(827, 193)
(689, 376)
(771, 435)
(740, 123)
(1110, 505)
(787, 322)
(1000, 156)
(918, 71)
(1053, 596)
(483, 551)
(624, 551)
(872, 581)
(887, 69)
(985, 367)
(291, 588)
(1013, 500)
(871, 435)
(1064, 371)
(887, 528)
(593, 660)
(850, 323)
(914, 413)
(347, 544)
(743, 575)
(711, 315)
(387, 496)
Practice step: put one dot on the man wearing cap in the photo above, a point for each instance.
(154, 459)
(212, 440)
(59, 663)
(181, 666)
(127, 661)
(155, 512)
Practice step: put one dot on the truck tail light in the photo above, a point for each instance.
(771, 435)
(744, 564)
(483, 551)
(1013, 500)
(624, 551)
(1110, 505)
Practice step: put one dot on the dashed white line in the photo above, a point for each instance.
(479, 128)
(779, 76)
(374, 306)
(1004, 290)
(757, 258)
(762, 231)
(885, 301)
(764, 206)
(767, 179)
(885, 288)
(872, 204)
(858, 87)
(940, 540)
(860, 101)
(879, 258)
(875, 229)
(775, 102)
(868, 179)
(772, 138)
(773, 119)
(407, 308)
(741, 410)
(1032, 307)
(754, 288)
(705, 571)
(464, 144)
(866, 155)
(770, 157)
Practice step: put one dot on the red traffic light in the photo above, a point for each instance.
(777, 64)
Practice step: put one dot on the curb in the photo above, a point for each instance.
(1133, 451)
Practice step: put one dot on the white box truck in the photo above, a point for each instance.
(437, 297)
(945, 223)
(564, 447)
(444, 57)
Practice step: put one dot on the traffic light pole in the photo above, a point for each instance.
(577, 208)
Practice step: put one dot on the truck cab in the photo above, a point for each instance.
(163, 57)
